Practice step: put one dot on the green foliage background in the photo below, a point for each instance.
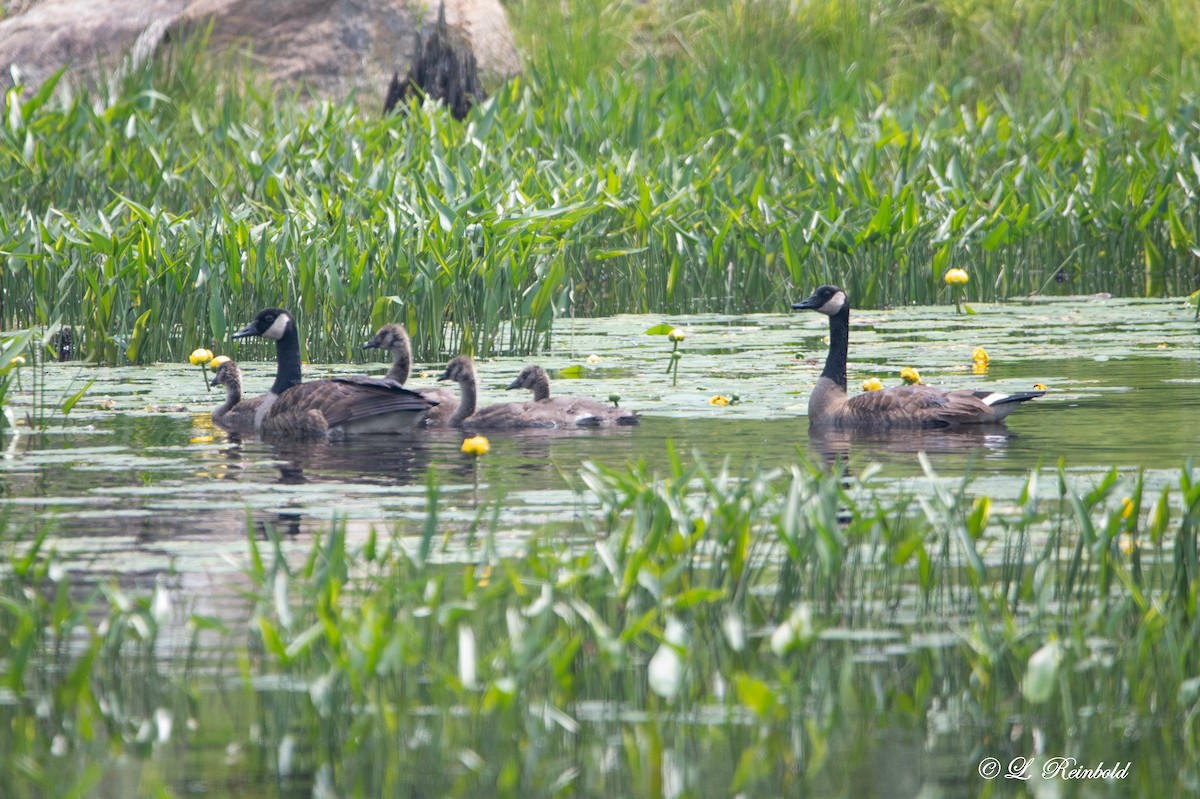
(654, 157)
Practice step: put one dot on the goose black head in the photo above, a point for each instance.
(828, 300)
(460, 368)
(272, 323)
(529, 378)
(387, 337)
(227, 374)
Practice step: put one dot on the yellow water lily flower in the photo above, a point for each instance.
(593, 359)
(1126, 543)
(476, 445)
(980, 357)
(910, 375)
(872, 384)
(217, 361)
(17, 362)
(676, 335)
(1039, 386)
(957, 277)
(200, 357)
(1126, 508)
(719, 400)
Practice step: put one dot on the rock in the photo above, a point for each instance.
(332, 47)
(336, 46)
(76, 33)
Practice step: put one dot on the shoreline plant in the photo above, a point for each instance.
(665, 177)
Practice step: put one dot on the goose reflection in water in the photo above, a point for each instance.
(834, 444)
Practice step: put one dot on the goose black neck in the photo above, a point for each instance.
(401, 364)
(466, 403)
(839, 345)
(287, 361)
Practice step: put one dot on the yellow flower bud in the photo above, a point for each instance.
(476, 445)
(979, 355)
(217, 361)
(957, 277)
(1039, 387)
(676, 335)
(200, 356)
(719, 400)
(593, 359)
(910, 375)
(1126, 508)
(872, 384)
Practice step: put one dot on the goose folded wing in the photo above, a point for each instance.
(919, 406)
(345, 400)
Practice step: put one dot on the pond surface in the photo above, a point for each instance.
(137, 482)
(138, 458)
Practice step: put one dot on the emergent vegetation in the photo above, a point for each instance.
(722, 632)
(654, 157)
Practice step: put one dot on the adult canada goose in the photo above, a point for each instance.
(355, 405)
(395, 338)
(234, 413)
(506, 415)
(900, 406)
(587, 412)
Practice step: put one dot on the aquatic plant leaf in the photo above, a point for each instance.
(139, 332)
(1041, 673)
(71, 401)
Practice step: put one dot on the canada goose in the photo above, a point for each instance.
(506, 415)
(587, 412)
(395, 338)
(901, 406)
(234, 413)
(348, 405)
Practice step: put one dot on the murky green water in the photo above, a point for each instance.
(136, 488)
(1123, 379)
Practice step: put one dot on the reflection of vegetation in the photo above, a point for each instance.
(727, 633)
(651, 159)
(12, 358)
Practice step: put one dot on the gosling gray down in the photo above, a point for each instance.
(234, 413)
(587, 412)
(354, 405)
(917, 406)
(395, 338)
(506, 415)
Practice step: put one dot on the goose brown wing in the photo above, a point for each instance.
(343, 400)
(917, 406)
(447, 404)
(593, 413)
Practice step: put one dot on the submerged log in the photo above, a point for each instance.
(443, 68)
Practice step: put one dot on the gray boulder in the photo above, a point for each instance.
(332, 47)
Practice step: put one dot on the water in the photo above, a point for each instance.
(135, 488)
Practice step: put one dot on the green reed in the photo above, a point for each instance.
(730, 618)
(719, 157)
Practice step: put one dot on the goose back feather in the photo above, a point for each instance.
(585, 412)
(916, 406)
(506, 415)
(234, 413)
(356, 405)
(394, 338)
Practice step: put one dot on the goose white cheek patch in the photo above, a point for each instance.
(833, 304)
(277, 328)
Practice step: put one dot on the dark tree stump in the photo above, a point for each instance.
(439, 71)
